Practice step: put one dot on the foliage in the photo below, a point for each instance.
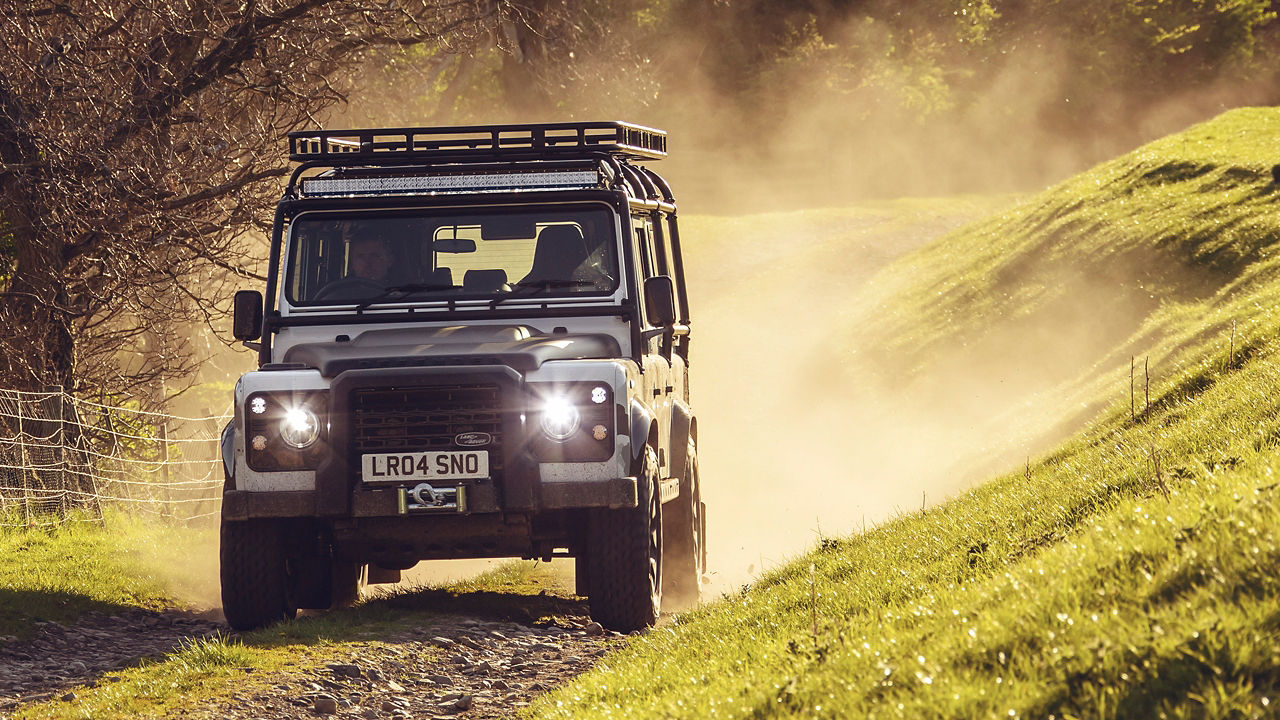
(1125, 574)
(141, 146)
(882, 98)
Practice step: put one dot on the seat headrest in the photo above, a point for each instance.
(484, 280)
(561, 249)
(440, 276)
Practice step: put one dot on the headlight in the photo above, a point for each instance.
(299, 428)
(285, 429)
(560, 418)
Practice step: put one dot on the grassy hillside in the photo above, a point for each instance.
(1130, 572)
(1185, 219)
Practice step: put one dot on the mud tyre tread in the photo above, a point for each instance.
(623, 574)
(683, 535)
(254, 574)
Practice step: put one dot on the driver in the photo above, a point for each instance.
(369, 259)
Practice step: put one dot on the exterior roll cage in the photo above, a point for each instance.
(453, 153)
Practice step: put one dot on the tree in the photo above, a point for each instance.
(140, 156)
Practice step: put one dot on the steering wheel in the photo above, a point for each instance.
(349, 288)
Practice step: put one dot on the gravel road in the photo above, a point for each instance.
(446, 665)
(58, 657)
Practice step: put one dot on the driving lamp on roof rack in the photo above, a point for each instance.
(333, 187)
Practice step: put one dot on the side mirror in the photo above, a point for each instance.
(660, 300)
(246, 317)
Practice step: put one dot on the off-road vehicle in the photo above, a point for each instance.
(475, 344)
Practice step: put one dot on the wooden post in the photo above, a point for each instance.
(168, 509)
(52, 406)
(24, 461)
(1146, 409)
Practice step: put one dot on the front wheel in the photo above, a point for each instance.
(255, 574)
(624, 557)
(685, 549)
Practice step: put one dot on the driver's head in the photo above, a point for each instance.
(370, 258)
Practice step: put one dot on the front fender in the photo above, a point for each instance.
(683, 427)
(641, 421)
(229, 454)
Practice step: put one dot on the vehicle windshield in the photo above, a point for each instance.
(368, 257)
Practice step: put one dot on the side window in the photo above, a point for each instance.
(648, 268)
(666, 253)
(644, 248)
(660, 249)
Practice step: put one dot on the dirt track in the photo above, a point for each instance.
(439, 665)
(58, 658)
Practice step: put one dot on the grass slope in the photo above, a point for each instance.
(1129, 573)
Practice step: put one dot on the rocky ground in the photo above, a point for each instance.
(58, 658)
(447, 665)
(458, 667)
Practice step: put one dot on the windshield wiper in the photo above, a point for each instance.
(525, 289)
(404, 291)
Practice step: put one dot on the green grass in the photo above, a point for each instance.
(1075, 587)
(60, 573)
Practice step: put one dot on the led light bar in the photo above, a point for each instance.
(496, 182)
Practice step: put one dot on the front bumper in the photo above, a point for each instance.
(385, 502)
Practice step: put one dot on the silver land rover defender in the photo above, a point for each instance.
(475, 344)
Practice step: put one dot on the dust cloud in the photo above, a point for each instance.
(803, 434)
(791, 448)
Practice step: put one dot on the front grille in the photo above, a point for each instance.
(416, 419)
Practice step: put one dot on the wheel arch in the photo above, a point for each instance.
(644, 429)
(684, 427)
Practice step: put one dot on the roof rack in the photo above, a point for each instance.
(477, 142)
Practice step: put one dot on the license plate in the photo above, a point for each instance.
(408, 467)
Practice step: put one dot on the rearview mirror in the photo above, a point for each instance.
(246, 315)
(507, 228)
(660, 300)
(454, 245)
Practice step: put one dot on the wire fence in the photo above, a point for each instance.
(64, 458)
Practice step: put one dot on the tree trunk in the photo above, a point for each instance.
(35, 319)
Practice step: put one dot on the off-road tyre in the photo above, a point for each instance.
(683, 541)
(624, 557)
(255, 574)
(348, 583)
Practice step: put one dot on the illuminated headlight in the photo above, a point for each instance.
(560, 419)
(285, 429)
(299, 428)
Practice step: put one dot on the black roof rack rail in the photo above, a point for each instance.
(393, 146)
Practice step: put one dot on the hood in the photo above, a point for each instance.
(517, 346)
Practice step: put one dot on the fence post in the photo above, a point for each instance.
(167, 508)
(53, 410)
(24, 461)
